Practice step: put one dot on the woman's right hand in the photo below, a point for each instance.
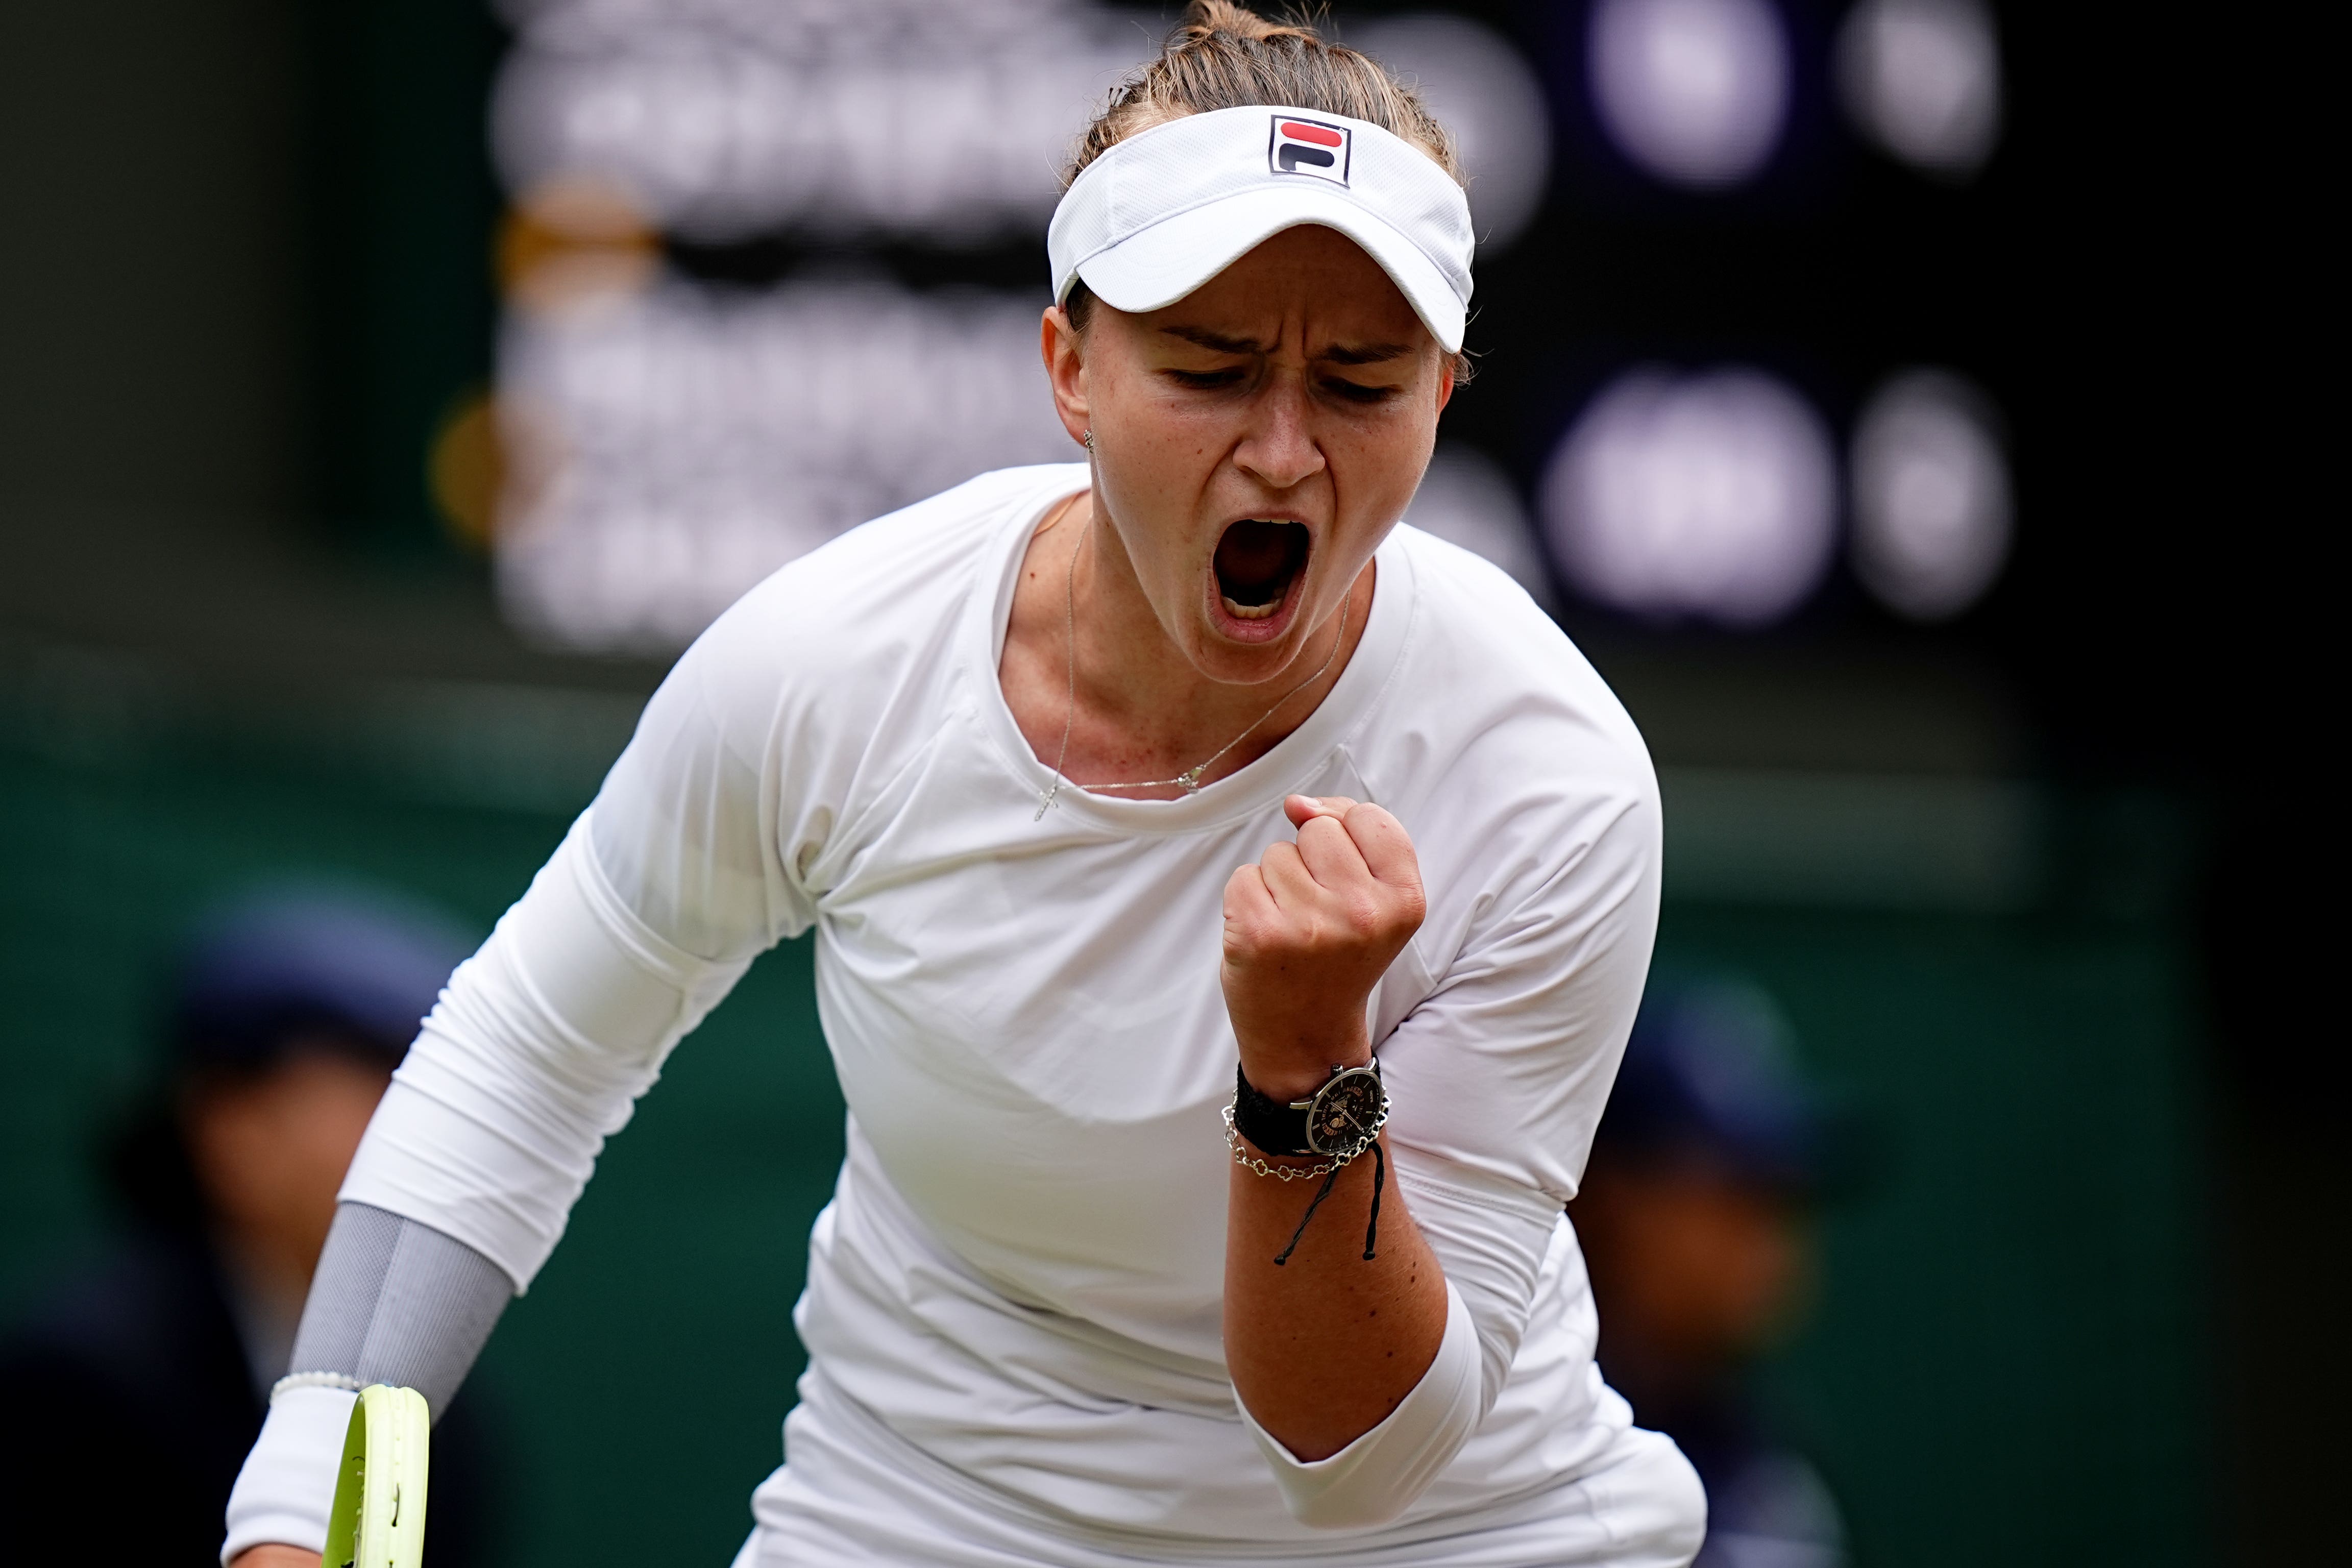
(1309, 931)
(274, 1557)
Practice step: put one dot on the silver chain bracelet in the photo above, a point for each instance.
(1328, 1170)
(1256, 1165)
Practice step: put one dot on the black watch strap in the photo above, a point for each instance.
(1275, 1126)
(1348, 1110)
(1280, 1127)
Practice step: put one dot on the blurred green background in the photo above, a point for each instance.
(2003, 1368)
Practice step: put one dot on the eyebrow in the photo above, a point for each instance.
(1338, 353)
(1365, 353)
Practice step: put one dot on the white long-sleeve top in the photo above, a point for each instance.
(1019, 1276)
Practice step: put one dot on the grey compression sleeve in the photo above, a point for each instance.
(396, 1301)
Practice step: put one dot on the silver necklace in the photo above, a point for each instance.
(1188, 781)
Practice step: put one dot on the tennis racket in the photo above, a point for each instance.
(378, 1519)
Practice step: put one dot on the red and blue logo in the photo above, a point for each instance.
(1309, 147)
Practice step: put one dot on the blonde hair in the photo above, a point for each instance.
(1225, 56)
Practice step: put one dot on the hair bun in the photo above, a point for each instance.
(1223, 55)
(1205, 18)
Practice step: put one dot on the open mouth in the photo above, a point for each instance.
(1256, 563)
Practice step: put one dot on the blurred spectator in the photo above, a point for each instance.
(134, 1390)
(1694, 1217)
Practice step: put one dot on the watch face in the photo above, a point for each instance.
(1346, 1111)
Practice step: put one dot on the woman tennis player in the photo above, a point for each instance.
(1230, 908)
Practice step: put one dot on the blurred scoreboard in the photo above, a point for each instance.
(770, 267)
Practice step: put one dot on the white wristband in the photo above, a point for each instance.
(288, 1484)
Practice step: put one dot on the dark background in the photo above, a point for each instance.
(2083, 1315)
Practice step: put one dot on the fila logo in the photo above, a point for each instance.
(1310, 147)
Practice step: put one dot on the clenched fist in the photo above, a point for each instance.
(1309, 931)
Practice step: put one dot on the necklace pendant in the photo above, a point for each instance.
(1190, 779)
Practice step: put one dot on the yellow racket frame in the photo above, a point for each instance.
(378, 1518)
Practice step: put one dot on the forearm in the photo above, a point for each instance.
(1355, 1360)
(398, 1303)
(1322, 1347)
(1326, 1332)
(393, 1301)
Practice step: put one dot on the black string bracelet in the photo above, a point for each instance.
(1372, 1229)
(1321, 1194)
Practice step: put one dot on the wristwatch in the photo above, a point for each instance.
(1340, 1118)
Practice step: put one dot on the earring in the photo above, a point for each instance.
(1088, 440)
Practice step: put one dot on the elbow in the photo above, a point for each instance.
(1376, 1479)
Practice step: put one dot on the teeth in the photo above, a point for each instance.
(1242, 611)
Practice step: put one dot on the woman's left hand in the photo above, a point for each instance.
(1309, 931)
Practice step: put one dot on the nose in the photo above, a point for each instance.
(1278, 445)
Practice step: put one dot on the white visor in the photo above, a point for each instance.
(1169, 208)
